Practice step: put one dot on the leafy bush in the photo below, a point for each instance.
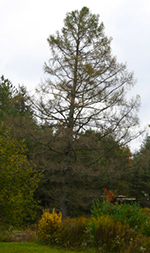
(109, 234)
(103, 234)
(49, 225)
(126, 213)
(140, 244)
(73, 232)
(113, 228)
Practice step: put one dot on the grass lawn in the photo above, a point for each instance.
(13, 247)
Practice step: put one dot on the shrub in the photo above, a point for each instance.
(109, 196)
(109, 234)
(5, 236)
(140, 244)
(73, 232)
(49, 225)
(146, 226)
(103, 234)
(126, 213)
(22, 235)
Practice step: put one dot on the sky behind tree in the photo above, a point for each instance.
(25, 26)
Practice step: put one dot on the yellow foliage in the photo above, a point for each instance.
(146, 210)
(49, 223)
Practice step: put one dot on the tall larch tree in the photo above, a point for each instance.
(85, 89)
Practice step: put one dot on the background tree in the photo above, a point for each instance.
(139, 180)
(16, 113)
(86, 89)
(7, 92)
(18, 182)
(86, 182)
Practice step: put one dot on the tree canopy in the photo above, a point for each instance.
(87, 86)
(86, 89)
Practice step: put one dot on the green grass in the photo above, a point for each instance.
(11, 247)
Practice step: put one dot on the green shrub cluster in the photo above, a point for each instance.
(113, 236)
(102, 233)
(130, 214)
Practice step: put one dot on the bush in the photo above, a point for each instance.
(103, 234)
(140, 244)
(27, 234)
(49, 226)
(130, 214)
(67, 233)
(73, 232)
(113, 228)
(108, 234)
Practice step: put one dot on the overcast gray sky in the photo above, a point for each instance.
(26, 24)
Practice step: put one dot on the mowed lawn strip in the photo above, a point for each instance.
(12, 247)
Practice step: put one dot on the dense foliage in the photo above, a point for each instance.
(102, 233)
(18, 182)
(130, 214)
